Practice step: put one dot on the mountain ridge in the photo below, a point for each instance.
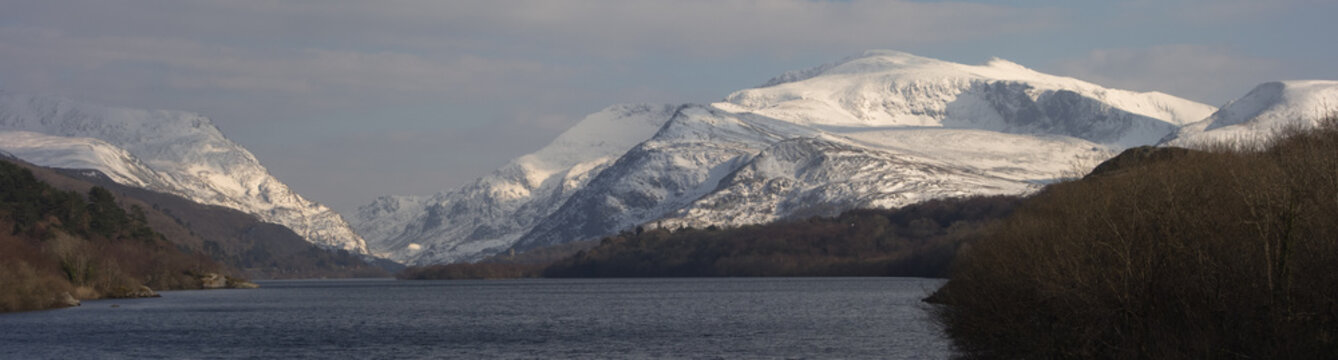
(930, 128)
(1258, 115)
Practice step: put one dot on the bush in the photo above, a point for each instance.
(25, 288)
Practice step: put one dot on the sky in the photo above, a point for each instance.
(349, 100)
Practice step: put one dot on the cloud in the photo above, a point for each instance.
(613, 28)
(468, 50)
(481, 70)
(1218, 11)
(192, 64)
(1207, 74)
(724, 28)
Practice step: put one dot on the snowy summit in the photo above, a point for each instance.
(882, 129)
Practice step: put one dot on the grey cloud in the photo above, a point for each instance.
(529, 66)
(607, 27)
(455, 49)
(1217, 11)
(1208, 74)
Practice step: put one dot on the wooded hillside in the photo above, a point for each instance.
(1171, 254)
(56, 242)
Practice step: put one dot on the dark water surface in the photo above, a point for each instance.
(819, 318)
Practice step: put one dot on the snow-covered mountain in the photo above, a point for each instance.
(173, 152)
(1261, 113)
(882, 129)
(491, 213)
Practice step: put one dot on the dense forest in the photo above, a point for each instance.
(1230, 252)
(258, 249)
(58, 242)
(917, 240)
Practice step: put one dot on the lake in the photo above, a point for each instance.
(730, 318)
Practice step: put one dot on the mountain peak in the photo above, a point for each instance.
(1312, 95)
(897, 89)
(1002, 63)
(870, 61)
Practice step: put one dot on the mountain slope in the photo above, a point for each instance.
(168, 151)
(883, 129)
(81, 153)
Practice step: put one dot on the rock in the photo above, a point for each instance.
(213, 281)
(66, 300)
(143, 292)
(243, 284)
(239, 283)
(216, 281)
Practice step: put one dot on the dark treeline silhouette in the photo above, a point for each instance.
(529, 264)
(55, 242)
(472, 271)
(1163, 254)
(917, 240)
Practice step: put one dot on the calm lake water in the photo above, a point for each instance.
(877, 318)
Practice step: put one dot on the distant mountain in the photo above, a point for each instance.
(1262, 112)
(883, 129)
(239, 241)
(173, 152)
